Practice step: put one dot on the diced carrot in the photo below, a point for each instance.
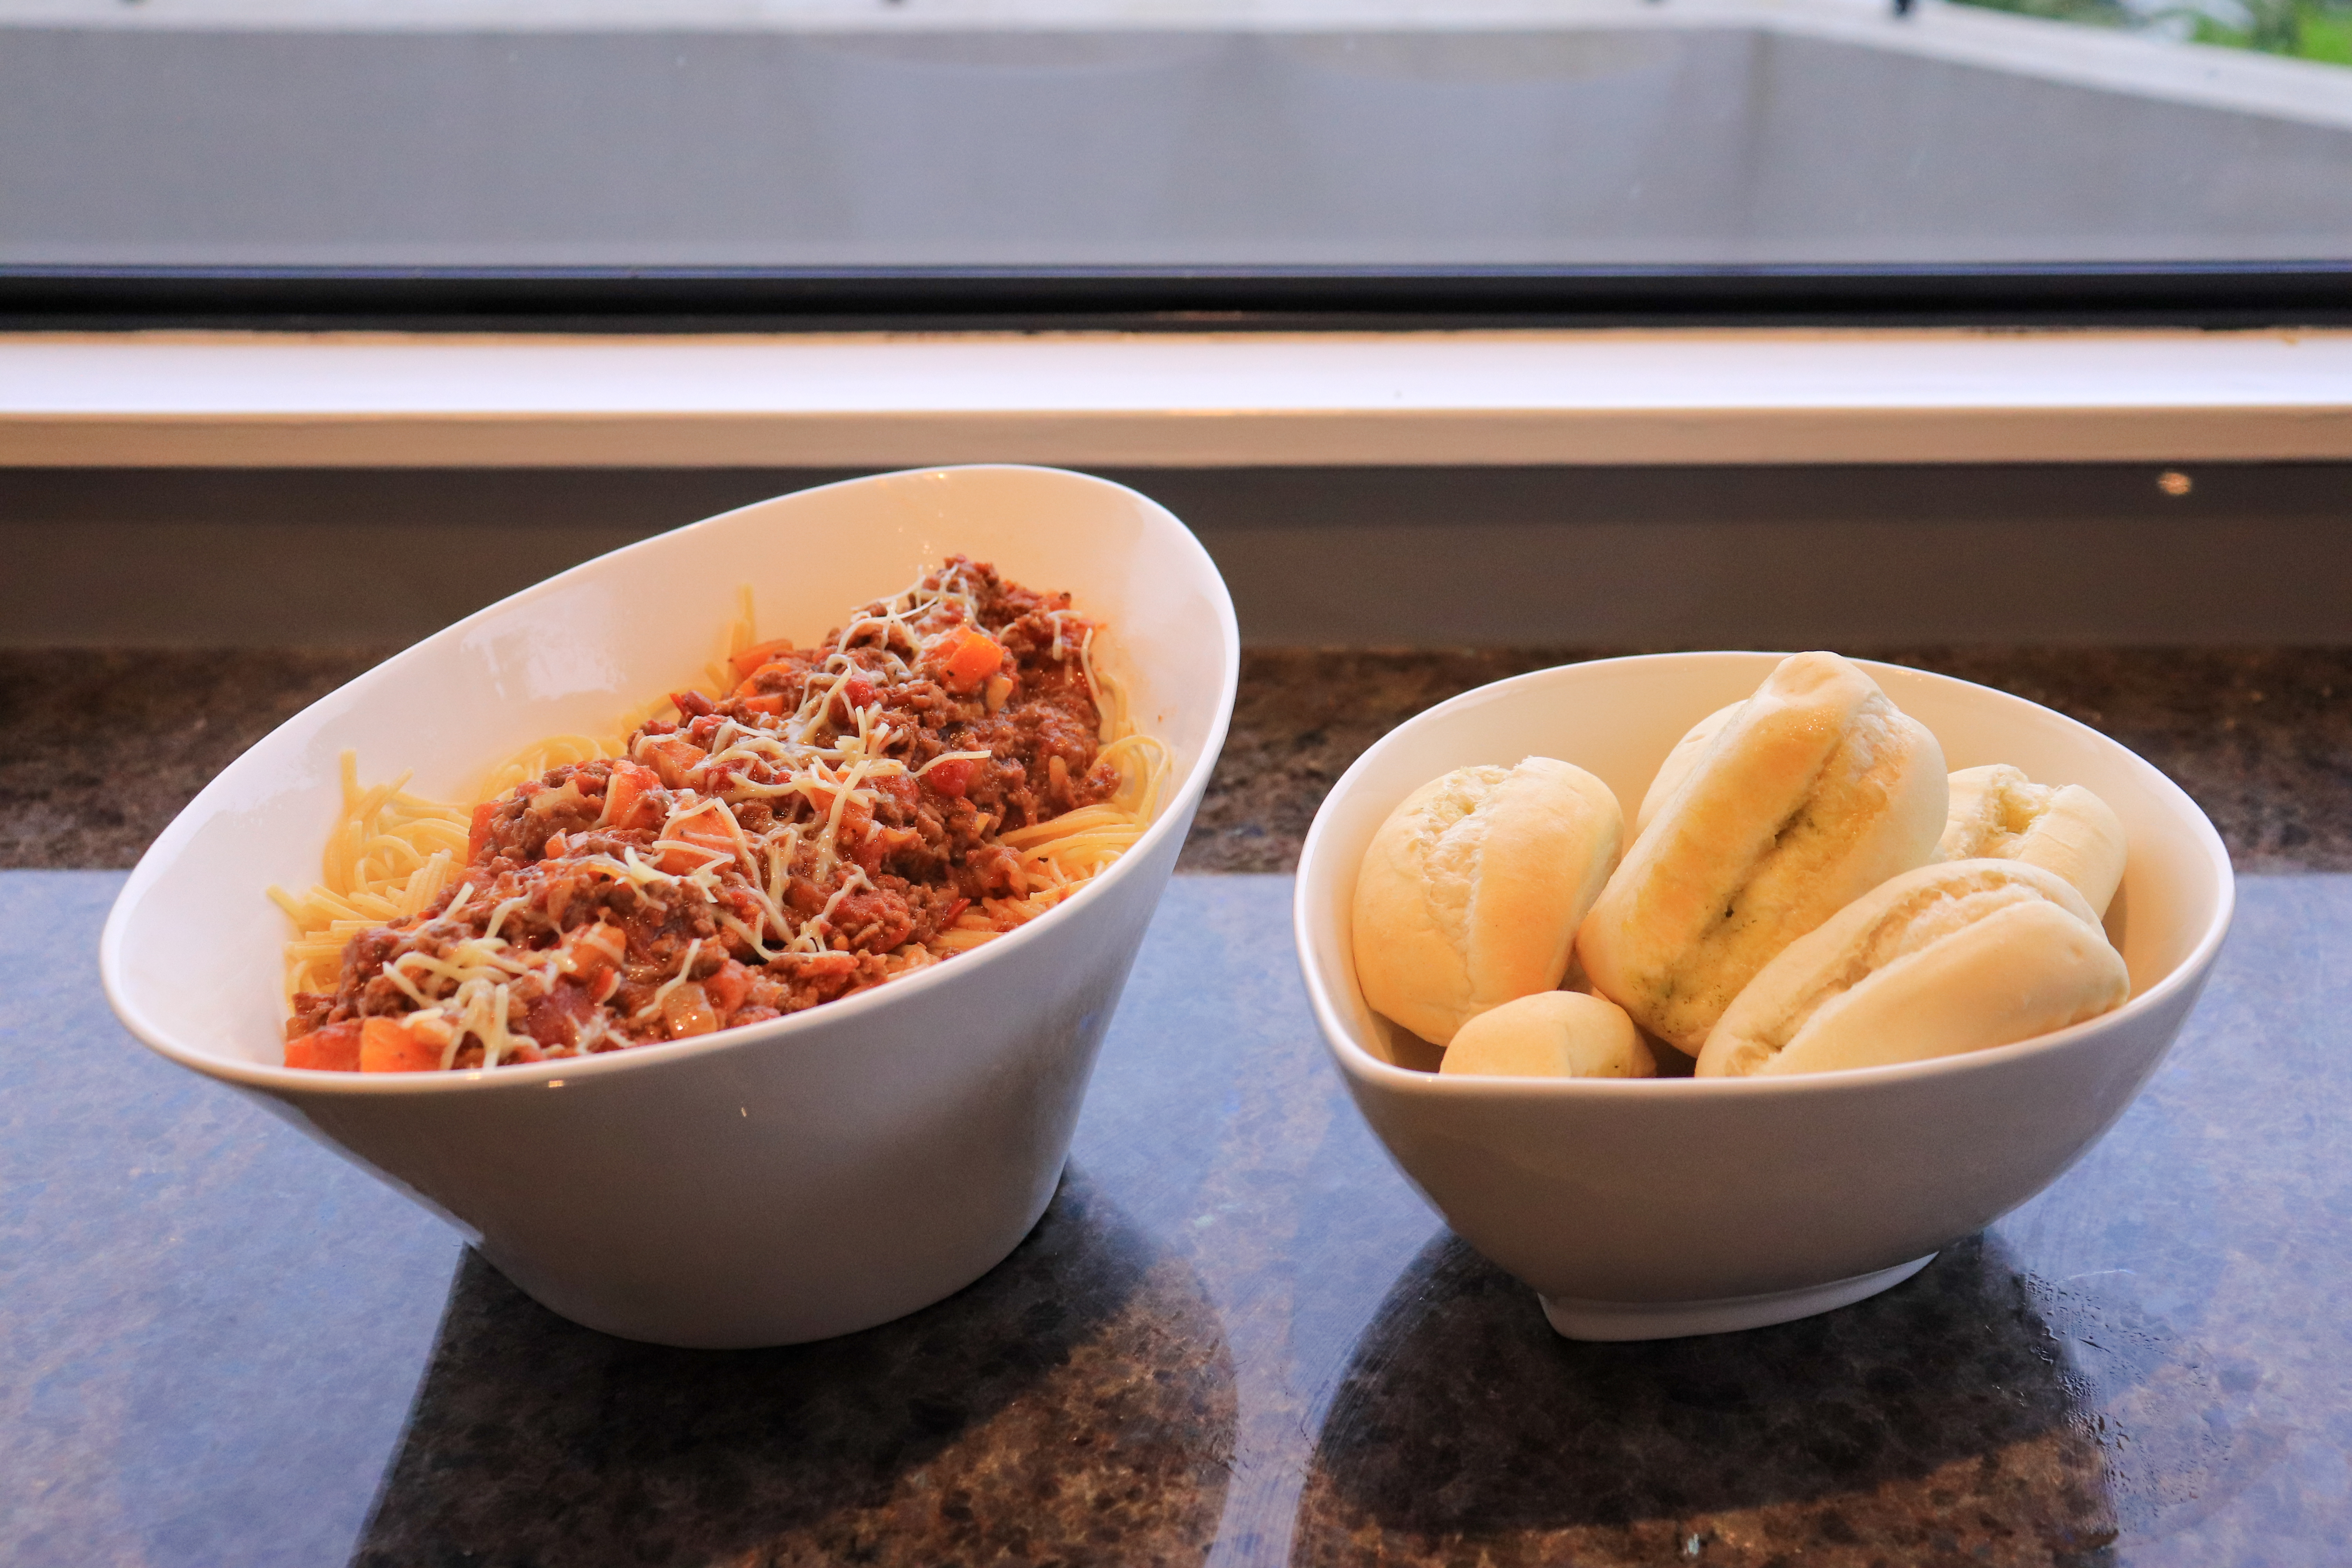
(881, 843)
(625, 798)
(771, 704)
(704, 830)
(387, 1046)
(479, 834)
(675, 758)
(759, 653)
(592, 953)
(335, 1048)
(965, 659)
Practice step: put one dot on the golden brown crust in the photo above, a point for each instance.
(1814, 791)
(1679, 763)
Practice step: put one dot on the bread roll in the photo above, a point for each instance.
(1472, 890)
(1958, 956)
(1997, 813)
(1553, 1033)
(1814, 791)
(1679, 763)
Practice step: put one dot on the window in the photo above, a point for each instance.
(503, 160)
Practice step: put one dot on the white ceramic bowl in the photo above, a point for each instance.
(1647, 1208)
(780, 1183)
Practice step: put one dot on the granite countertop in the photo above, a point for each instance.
(1237, 1336)
(2261, 737)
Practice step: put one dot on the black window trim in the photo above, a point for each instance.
(2221, 294)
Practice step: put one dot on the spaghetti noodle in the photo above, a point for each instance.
(946, 767)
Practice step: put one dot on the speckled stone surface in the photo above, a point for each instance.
(104, 748)
(1238, 1336)
(2261, 738)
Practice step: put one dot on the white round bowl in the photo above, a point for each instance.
(785, 1182)
(1648, 1208)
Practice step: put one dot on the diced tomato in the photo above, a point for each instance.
(704, 830)
(555, 1018)
(693, 704)
(387, 1046)
(628, 801)
(728, 986)
(855, 692)
(335, 1048)
(758, 654)
(480, 835)
(964, 659)
(952, 777)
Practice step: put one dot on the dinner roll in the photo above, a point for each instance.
(1553, 1033)
(1958, 956)
(1471, 892)
(1812, 793)
(1679, 763)
(1997, 813)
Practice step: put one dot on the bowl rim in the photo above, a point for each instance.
(1365, 1068)
(279, 1079)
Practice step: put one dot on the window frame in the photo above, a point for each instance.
(576, 299)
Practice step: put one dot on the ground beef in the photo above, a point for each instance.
(588, 874)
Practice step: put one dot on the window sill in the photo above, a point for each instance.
(183, 399)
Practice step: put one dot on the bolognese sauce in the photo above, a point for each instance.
(849, 813)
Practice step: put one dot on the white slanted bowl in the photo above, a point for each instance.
(1650, 1208)
(783, 1182)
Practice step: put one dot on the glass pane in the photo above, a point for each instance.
(1709, 133)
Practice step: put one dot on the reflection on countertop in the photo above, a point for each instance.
(1238, 1336)
(1076, 1403)
(1920, 1413)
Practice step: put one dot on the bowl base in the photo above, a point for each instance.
(1579, 1319)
